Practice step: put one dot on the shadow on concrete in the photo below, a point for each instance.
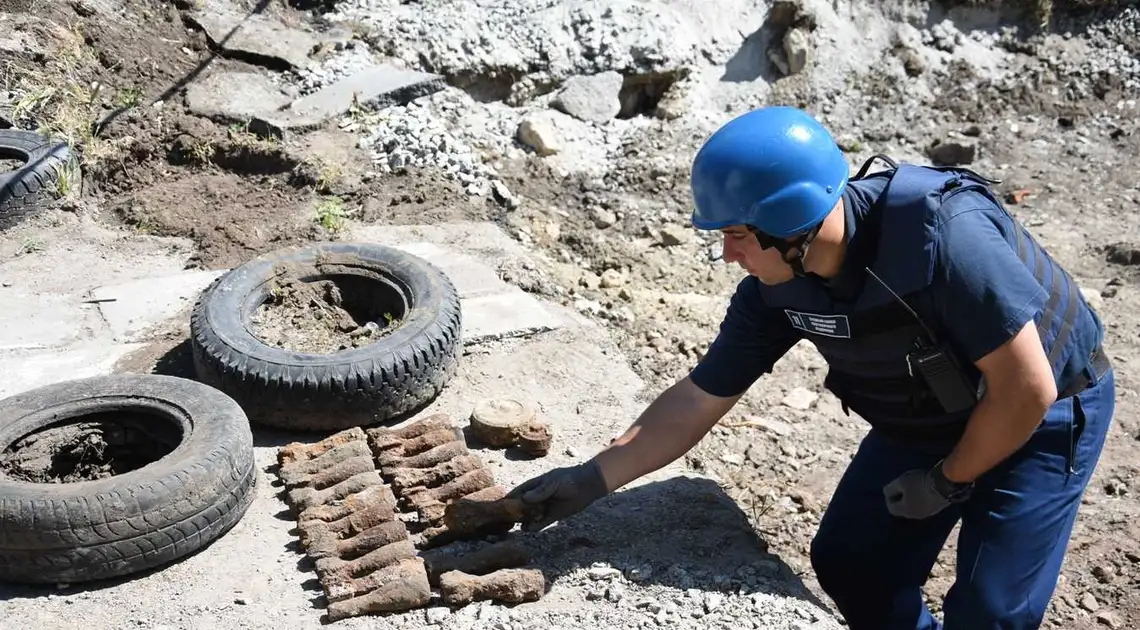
(682, 533)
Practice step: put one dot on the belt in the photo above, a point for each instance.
(1099, 365)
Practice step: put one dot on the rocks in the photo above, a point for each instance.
(535, 44)
(797, 51)
(1122, 254)
(602, 218)
(672, 235)
(591, 98)
(410, 137)
(538, 130)
(952, 152)
(800, 398)
(375, 87)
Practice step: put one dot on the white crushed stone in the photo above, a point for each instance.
(354, 58)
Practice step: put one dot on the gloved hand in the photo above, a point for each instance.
(559, 493)
(919, 493)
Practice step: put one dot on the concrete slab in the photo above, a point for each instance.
(492, 309)
(469, 252)
(230, 28)
(507, 314)
(471, 277)
(27, 370)
(48, 320)
(378, 86)
(234, 96)
(133, 308)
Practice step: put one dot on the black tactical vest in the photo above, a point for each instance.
(870, 342)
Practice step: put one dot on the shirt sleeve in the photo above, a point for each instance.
(982, 289)
(752, 338)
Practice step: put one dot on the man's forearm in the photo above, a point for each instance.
(999, 426)
(670, 426)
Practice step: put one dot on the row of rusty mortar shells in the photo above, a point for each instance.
(350, 522)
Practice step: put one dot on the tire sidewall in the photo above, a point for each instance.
(218, 430)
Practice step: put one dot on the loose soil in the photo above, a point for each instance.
(102, 445)
(311, 317)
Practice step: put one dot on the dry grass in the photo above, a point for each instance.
(55, 99)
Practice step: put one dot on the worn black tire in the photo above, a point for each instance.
(36, 182)
(139, 520)
(385, 380)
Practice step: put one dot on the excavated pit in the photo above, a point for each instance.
(395, 519)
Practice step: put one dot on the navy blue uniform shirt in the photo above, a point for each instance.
(981, 294)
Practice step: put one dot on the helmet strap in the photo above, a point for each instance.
(801, 244)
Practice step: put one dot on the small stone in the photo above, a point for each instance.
(797, 50)
(716, 251)
(602, 218)
(639, 574)
(612, 278)
(1089, 603)
(952, 153)
(503, 195)
(603, 573)
(800, 398)
(1108, 619)
(713, 601)
(615, 593)
(537, 131)
(733, 459)
(673, 235)
(437, 614)
(1103, 573)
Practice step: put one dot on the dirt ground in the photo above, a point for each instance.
(618, 247)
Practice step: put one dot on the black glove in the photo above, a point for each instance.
(559, 493)
(919, 494)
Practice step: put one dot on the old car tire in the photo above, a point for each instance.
(386, 379)
(26, 188)
(141, 519)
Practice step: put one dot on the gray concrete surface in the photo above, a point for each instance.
(236, 30)
(375, 87)
(234, 96)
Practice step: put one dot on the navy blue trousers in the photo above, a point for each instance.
(1014, 529)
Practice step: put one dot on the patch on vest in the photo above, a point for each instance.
(816, 324)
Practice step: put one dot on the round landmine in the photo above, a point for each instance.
(535, 438)
(497, 422)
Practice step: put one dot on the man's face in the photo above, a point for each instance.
(741, 247)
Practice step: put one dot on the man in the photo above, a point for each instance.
(971, 354)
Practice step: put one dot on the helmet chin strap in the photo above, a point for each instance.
(801, 244)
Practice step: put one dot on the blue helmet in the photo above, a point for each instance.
(775, 168)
